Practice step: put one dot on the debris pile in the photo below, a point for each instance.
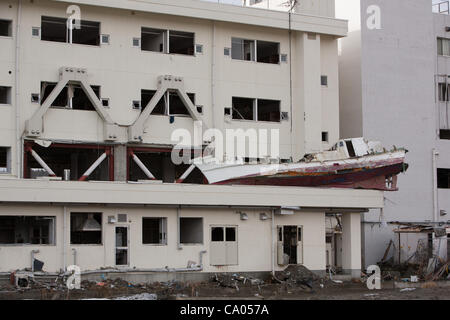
(235, 280)
(299, 275)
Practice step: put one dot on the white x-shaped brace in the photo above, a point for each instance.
(136, 130)
(34, 126)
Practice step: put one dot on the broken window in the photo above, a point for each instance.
(443, 92)
(444, 134)
(69, 157)
(243, 108)
(191, 230)
(72, 96)
(146, 96)
(268, 110)
(324, 136)
(5, 28)
(181, 42)
(154, 230)
(55, 29)
(88, 33)
(4, 160)
(242, 49)
(5, 95)
(27, 230)
(170, 104)
(85, 228)
(153, 40)
(443, 178)
(443, 46)
(176, 105)
(268, 52)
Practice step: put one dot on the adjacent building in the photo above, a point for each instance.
(394, 71)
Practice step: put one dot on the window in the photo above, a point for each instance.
(5, 95)
(27, 230)
(324, 81)
(78, 101)
(443, 47)
(86, 228)
(443, 178)
(268, 110)
(170, 104)
(154, 230)
(181, 42)
(268, 52)
(5, 28)
(56, 30)
(324, 136)
(191, 230)
(243, 108)
(256, 109)
(444, 134)
(153, 40)
(4, 160)
(242, 49)
(443, 92)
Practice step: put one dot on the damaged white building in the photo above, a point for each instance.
(86, 117)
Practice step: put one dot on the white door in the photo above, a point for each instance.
(122, 244)
(300, 245)
(224, 246)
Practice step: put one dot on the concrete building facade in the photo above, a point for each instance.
(390, 70)
(81, 104)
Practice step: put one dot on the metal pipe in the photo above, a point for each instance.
(273, 242)
(143, 167)
(42, 163)
(19, 144)
(74, 253)
(65, 238)
(93, 167)
(435, 153)
(186, 173)
(179, 247)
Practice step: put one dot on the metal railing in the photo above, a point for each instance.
(442, 7)
(281, 5)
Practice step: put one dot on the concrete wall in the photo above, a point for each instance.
(254, 239)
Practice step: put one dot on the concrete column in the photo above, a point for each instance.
(120, 163)
(351, 244)
(168, 169)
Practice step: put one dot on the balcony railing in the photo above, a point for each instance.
(280, 5)
(442, 7)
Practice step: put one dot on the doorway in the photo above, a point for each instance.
(122, 242)
(290, 245)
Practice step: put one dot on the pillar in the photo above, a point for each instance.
(351, 244)
(120, 163)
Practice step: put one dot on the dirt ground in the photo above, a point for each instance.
(214, 290)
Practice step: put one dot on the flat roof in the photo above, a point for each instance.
(227, 13)
(123, 193)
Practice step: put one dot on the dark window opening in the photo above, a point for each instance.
(268, 110)
(324, 80)
(324, 136)
(72, 96)
(153, 40)
(89, 33)
(243, 108)
(27, 230)
(54, 29)
(154, 230)
(242, 49)
(444, 134)
(85, 228)
(5, 95)
(77, 160)
(350, 149)
(231, 234)
(268, 52)
(5, 28)
(443, 178)
(443, 92)
(217, 234)
(191, 230)
(176, 105)
(146, 96)
(3, 157)
(181, 42)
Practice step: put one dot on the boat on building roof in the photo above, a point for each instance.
(351, 163)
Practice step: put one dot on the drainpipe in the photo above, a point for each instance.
(74, 252)
(273, 242)
(435, 153)
(179, 247)
(19, 153)
(65, 238)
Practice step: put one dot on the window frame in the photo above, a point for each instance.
(192, 243)
(163, 224)
(10, 29)
(255, 110)
(102, 235)
(54, 242)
